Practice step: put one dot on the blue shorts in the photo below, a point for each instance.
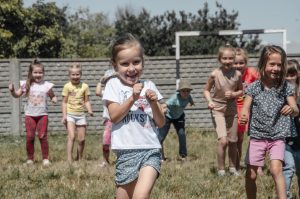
(129, 162)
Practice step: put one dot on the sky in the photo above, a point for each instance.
(253, 14)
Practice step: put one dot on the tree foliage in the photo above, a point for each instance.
(45, 30)
(87, 35)
(158, 33)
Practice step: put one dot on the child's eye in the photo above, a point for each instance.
(125, 64)
(137, 62)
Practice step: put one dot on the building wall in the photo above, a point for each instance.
(161, 70)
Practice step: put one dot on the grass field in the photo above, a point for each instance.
(194, 179)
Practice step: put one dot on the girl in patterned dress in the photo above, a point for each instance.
(271, 102)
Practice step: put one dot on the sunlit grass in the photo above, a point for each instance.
(194, 179)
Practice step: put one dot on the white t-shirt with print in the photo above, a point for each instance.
(37, 100)
(137, 129)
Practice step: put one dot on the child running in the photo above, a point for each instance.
(75, 96)
(106, 138)
(292, 144)
(227, 85)
(271, 102)
(249, 75)
(36, 91)
(175, 114)
(135, 113)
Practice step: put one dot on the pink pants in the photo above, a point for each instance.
(107, 132)
(37, 124)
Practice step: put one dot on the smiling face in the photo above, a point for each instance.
(75, 75)
(273, 68)
(37, 73)
(239, 63)
(227, 58)
(129, 64)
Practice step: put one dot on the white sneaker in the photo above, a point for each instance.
(29, 162)
(233, 171)
(103, 164)
(46, 162)
(221, 173)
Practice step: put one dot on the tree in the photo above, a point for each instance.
(31, 32)
(45, 23)
(158, 33)
(12, 27)
(88, 35)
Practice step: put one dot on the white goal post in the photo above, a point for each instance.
(221, 33)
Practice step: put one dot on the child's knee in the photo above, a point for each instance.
(251, 174)
(81, 141)
(43, 136)
(223, 141)
(276, 170)
(105, 148)
(71, 137)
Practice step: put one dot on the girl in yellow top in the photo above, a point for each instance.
(75, 98)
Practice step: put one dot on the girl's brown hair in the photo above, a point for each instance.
(264, 57)
(293, 68)
(124, 42)
(34, 63)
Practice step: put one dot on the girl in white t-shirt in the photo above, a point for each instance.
(135, 113)
(36, 90)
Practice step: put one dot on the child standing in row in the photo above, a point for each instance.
(227, 85)
(270, 121)
(106, 138)
(36, 91)
(136, 113)
(249, 75)
(75, 97)
(175, 114)
(292, 146)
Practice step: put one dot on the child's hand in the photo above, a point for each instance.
(229, 94)
(243, 118)
(211, 105)
(91, 114)
(64, 120)
(164, 108)
(286, 110)
(137, 89)
(11, 87)
(151, 95)
(54, 100)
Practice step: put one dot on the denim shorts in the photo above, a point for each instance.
(129, 163)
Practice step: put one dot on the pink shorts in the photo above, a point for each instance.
(107, 132)
(225, 122)
(258, 149)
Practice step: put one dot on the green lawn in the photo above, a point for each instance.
(194, 179)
